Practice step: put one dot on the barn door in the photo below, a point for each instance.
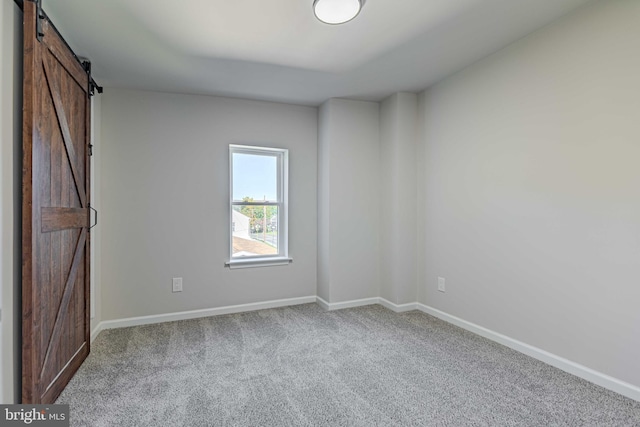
(55, 245)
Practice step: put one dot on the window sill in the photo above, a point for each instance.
(257, 262)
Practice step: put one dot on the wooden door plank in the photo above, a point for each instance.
(56, 219)
(42, 243)
(29, 350)
(55, 387)
(64, 303)
(58, 266)
(64, 128)
(56, 45)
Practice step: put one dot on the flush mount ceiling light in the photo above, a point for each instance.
(337, 11)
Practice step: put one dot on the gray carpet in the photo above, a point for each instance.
(302, 366)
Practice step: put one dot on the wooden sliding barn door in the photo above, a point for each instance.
(55, 245)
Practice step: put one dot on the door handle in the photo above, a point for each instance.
(96, 212)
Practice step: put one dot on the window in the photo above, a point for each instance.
(258, 206)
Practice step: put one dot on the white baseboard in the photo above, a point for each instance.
(322, 303)
(196, 314)
(96, 331)
(398, 308)
(330, 306)
(629, 390)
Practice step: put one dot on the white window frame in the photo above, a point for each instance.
(282, 257)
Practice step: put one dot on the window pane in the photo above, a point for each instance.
(255, 177)
(254, 230)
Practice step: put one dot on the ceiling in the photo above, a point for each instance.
(276, 49)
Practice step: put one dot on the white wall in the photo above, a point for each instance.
(10, 170)
(530, 190)
(398, 215)
(164, 205)
(324, 199)
(349, 189)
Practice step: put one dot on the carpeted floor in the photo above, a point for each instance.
(302, 366)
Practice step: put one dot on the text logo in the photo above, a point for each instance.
(35, 415)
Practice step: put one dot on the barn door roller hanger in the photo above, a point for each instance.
(86, 64)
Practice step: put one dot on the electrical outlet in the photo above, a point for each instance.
(177, 284)
(441, 284)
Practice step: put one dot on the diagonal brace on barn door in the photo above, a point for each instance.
(66, 298)
(64, 128)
